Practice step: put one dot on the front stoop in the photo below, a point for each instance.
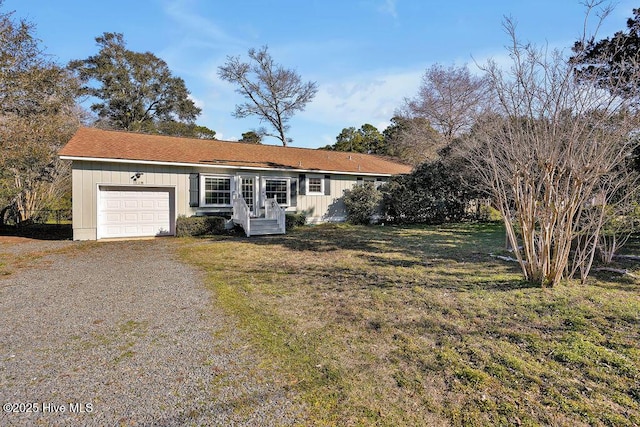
(263, 226)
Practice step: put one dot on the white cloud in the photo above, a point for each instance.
(194, 24)
(197, 101)
(389, 7)
(346, 100)
(501, 58)
(359, 99)
(198, 43)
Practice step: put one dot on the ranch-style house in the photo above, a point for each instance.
(136, 185)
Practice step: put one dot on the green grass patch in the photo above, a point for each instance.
(420, 326)
(296, 357)
(133, 327)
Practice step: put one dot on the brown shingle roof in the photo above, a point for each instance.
(102, 144)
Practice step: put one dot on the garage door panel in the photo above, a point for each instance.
(133, 212)
(131, 230)
(120, 231)
(113, 217)
(149, 229)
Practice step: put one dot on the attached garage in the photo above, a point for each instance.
(128, 185)
(135, 211)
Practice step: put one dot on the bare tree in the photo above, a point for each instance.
(450, 98)
(33, 177)
(37, 116)
(412, 139)
(553, 155)
(620, 222)
(273, 93)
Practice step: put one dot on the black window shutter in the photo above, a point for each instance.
(327, 185)
(194, 190)
(294, 193)
(302, 188)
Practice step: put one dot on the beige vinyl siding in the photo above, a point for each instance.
(319, 208)
(88, 176)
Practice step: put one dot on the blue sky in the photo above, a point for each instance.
(365, 55)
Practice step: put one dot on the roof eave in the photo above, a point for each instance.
(218, 166)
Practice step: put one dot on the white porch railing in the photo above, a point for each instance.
(272, 210)
(241, 213)
(273, 222)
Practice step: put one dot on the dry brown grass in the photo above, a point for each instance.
(31, 256)
(419, 326)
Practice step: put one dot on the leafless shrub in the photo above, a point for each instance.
(553, 155)
(449, 98)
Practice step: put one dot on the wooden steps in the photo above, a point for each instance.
(263, 226)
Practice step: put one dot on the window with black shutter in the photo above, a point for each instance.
(302, 184)
(194, 190)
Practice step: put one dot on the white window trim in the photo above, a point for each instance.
(232, 186)
(314, 193)
(279, 178)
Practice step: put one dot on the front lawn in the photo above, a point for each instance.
(420, 326)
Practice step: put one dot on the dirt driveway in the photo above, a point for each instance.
(122, 333)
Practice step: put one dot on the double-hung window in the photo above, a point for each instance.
(277, 188)
(216, 191)
(315, 185)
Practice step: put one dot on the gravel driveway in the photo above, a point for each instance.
(122, 333)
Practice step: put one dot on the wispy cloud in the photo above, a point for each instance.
(197, 41)
(359, 99)
(351, 100)
(389, 7)
(196, 27)
(343, 99)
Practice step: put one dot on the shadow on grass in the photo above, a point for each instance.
(452, 257)
(443, 319)
(350, 279)
(449, 240)
(614, 281)
(39, 231)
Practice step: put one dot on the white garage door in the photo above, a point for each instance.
(134, 212)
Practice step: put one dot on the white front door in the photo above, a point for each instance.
(248, 191)
(134, 212)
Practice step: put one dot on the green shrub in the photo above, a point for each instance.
(435, 192)
(293, 220)
(200, 225)
(489, 213)
(362, 203)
